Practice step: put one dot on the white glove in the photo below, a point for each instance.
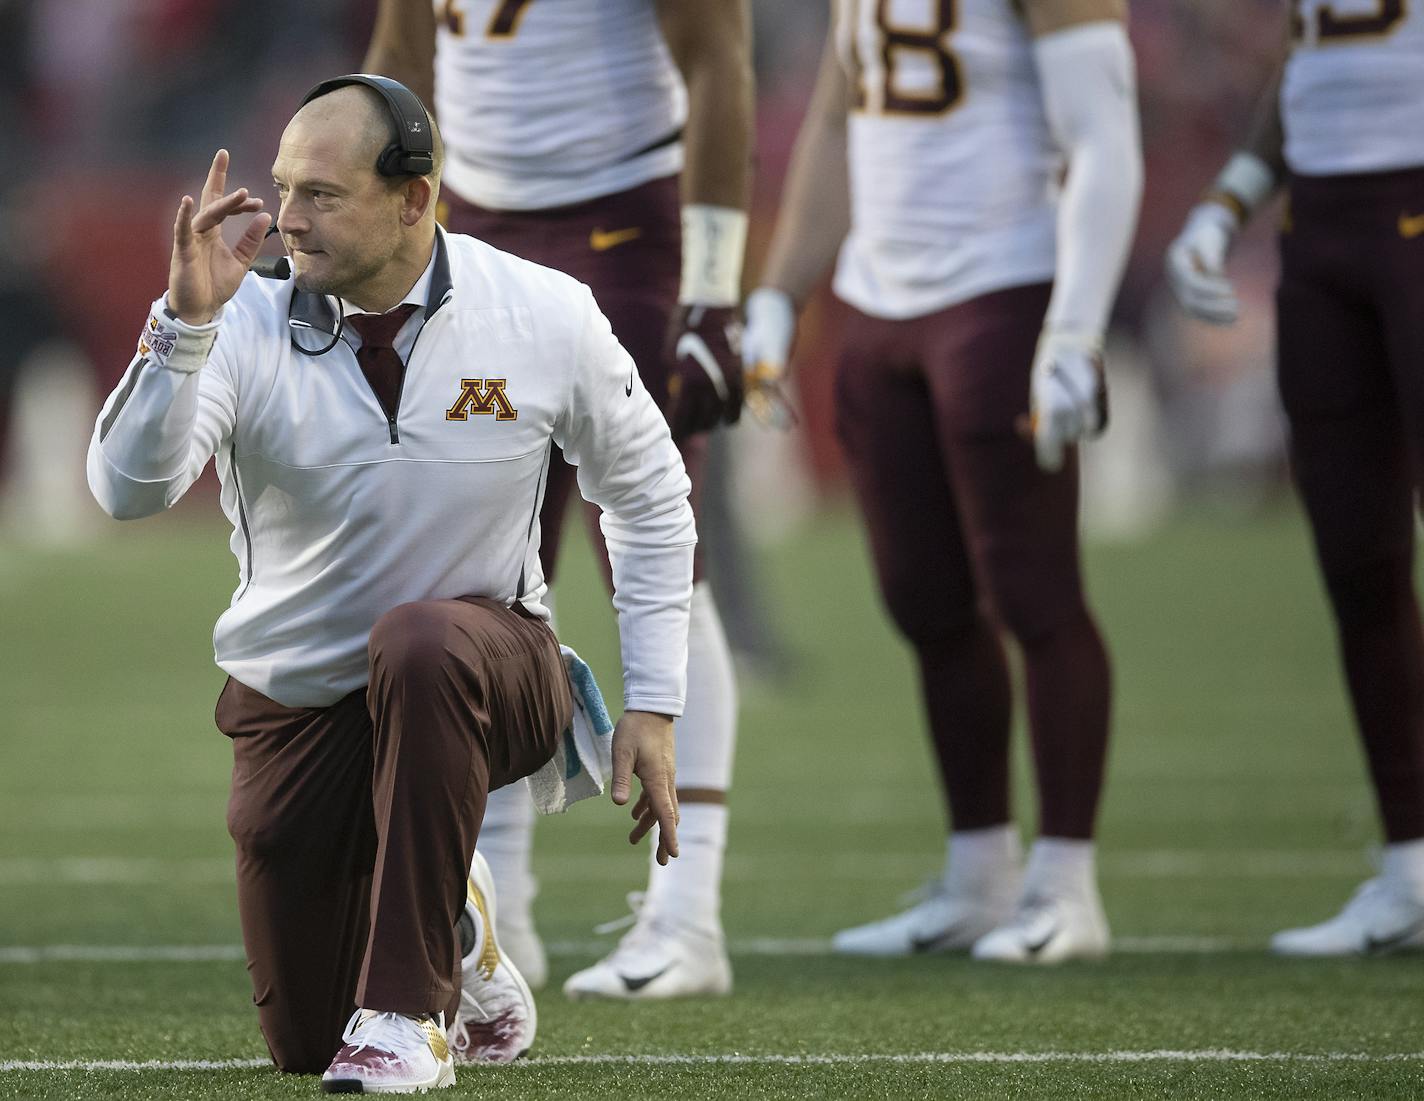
(1068, 398)
(1196, 264)
(766, 340)
(766, 347)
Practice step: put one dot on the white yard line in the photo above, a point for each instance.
(751, 946)
(1209, 1055)
(741, 868)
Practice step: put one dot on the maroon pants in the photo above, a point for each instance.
(1351, 368)
(355, 823)
(628, 249)
(970, 536)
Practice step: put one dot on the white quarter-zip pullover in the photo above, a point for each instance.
(340, 514)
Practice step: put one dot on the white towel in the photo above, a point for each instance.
(583, 763)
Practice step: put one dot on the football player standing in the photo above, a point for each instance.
(979, 279)
(1339, 131)
(611, 139)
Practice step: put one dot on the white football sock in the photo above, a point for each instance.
(689, 888)
(707, 730)
(506, 842)
(1062, 865)
(1403, 863)
(974, 858)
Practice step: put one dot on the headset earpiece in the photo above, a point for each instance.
(413, 151)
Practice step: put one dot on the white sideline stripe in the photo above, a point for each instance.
(742, 868)
(752, 946)
(1209, 1055)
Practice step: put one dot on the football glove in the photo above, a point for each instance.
(1068, 396)
(705, 380)
(1196, 264)
(766, 349)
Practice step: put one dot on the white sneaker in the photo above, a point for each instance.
(1049, 928)
(658, 958)
(497, 1018)
(1380, 917)
(390, 1053)
(945, 920)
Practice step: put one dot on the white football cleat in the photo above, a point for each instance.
(945, 920)
(1049, 928)
(658, 958)
(390, 1053)
(497, 1018)
(1380, 917)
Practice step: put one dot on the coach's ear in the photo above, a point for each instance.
(417, 200)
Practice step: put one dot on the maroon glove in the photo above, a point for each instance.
(704, 350)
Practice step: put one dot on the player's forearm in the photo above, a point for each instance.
(718, 138)
(1089, 89)
(1255, 172)
(710, 41)
(403, 46)
(814, 217)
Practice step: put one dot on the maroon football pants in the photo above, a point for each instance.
(627, 248)
(1350, 335)
(355, 823)
(970, 537)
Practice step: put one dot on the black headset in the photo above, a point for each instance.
(413, 151)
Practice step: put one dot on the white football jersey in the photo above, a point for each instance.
(544, 103)
(952, 167)
(1354, 86)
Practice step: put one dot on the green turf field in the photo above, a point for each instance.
(1236, 805)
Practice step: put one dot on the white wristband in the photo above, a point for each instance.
(168, 342)
(713, 241)
(1247, 179)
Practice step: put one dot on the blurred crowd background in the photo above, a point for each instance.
(110, 110)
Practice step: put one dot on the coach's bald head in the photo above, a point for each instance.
(351, 231)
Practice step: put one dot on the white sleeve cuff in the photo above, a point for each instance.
(167, 341)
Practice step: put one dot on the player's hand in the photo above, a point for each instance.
(705, 377)
(1196, 264)
(1068, 395)
(643, 747)
(766, 350)
(204, 272)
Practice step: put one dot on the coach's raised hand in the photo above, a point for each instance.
(204, 272)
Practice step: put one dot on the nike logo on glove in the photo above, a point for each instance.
(638, 984)
(690, 344)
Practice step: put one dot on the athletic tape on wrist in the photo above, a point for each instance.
(713, 241)
(169, 342)
(1246, 179)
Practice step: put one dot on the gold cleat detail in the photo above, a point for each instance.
(435, 1037)
(489, 954)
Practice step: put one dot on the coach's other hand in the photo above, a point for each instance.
(1068, 397)
(643, 747)
(704, 349)
(204, 273)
